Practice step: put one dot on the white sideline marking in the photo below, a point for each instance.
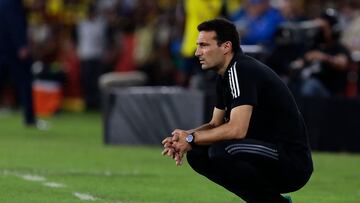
(84, 196)
(54, 185)
(5, 172)
(34, 178)
(107, 173)
(41, 179)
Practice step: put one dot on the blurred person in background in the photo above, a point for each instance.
(90, 38)
(159, 64)
(293, 10)
(289, 39)
(177, 23)
(112, 36)
(350, 23)
(324, 68)
(350, 37)
(257, 22)
(232, 6)
(194, 16)
(146, 54)
(15, 55)
(349, 10)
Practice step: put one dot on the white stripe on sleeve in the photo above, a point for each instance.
(234, 82)
(231, 83)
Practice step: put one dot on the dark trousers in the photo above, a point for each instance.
(90, 72)
(20, 71)
(248, 168)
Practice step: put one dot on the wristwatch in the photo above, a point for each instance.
(190, 138)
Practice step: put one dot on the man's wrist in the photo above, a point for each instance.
(190, 138)
(190, 131)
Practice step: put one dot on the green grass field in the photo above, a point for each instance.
(70, 163)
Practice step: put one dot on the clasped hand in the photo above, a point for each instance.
(176, 145)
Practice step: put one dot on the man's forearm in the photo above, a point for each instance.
(206, 126)
(223, 132)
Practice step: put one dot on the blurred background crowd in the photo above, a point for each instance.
(73, 48)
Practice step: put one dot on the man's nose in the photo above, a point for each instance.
(197, 52)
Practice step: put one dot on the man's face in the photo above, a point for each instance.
(210, 54)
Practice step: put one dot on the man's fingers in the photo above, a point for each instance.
(181, 154)
(175, 138)
(171, 152)
(168, 144)
(175, 145)
(175, 131)
(172, 148)
(166, 140)
(165, 151)
(179, 163)
(178, 159)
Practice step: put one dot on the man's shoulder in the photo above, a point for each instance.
(244, 61)
(253, 68)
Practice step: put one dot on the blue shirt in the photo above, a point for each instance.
(258, 30)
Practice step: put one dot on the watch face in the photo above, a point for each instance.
(189, 138)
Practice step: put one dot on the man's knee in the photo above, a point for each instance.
(198, 158)
(191, 157)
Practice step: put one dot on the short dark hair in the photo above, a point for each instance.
(225, 31)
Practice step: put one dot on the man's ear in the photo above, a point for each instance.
(227, 47)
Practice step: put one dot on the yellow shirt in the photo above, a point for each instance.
(197, 12)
